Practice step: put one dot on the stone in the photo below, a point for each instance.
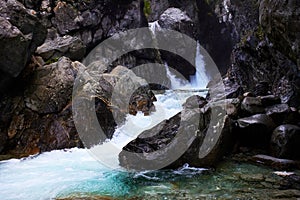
(71, 47)
(285, 142)
(190, 133)
(270, 100)
(278, 112)
(255, 131)
(276, 163)
(65, 17)
(194, 101)
(51, 86)
(252, 105)
(21, 33)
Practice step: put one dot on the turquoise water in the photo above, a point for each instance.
(75, 173)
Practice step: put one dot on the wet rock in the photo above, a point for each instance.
(51, 86)
(21, 33)
(255, 131)
(71, 47)
(190, 134)
(276, 163)
(252, 105)
(285, 142)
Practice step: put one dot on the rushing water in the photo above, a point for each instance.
(75, 172)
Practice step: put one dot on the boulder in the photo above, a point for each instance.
(51, 86)
(178, 20)
(190, 137)
(285, 142)
(252, 105)
(71, 47)
(278, 112)
(255, 131)
(21, 33)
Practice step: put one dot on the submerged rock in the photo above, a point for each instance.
(285, 142)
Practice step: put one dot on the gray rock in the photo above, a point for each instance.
(71, 47)
(51, 87)
(285, 142)
(189, 134)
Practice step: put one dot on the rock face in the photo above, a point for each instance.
(263, 59)
(178, 141)
(285, 142)
(21, 33)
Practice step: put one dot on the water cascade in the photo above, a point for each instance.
(75, 171)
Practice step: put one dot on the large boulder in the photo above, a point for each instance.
(21, 33)
(285, 142)
(51, 86)
(191, 137)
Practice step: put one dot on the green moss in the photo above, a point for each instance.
(260, 34)
(147, 8)
(51, 60)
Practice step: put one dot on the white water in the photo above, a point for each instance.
(62, 172)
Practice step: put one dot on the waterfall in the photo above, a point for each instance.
(154, 26)
(72, 171)
(200, 79)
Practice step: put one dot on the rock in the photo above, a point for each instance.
(252, 105)
(285, 142)
(66, 17)
(176, 19)
(276, 163)
(162, 145)
(269, 100)
(232, 89)
(21, 33)
(255, 131)
(51, 86)
(262, 88)
(71, 47)
(281, 23)
(278, 112)
(194, 102)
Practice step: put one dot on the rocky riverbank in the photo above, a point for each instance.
(255, 45)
